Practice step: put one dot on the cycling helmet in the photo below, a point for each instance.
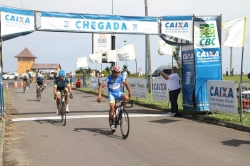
(116, 68)
(62, 73)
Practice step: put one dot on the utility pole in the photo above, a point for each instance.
(125, 45)
(112, 40)
(231, 53)
(148, 57)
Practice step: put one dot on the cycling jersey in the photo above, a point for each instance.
(39, 80)
(61, 84)
(114, 87)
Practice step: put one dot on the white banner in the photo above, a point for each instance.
(236, 32)
(98, 23)
(111, 56)
(94, 83)
(222, 96)
(164, 48)
(82, 62)
(15, 21)
(126, 53)
(95, 58)
(102, 43)
(160, 90)
(138, 87)
(177, 26)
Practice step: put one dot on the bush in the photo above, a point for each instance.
(248, 75)
(105, 73)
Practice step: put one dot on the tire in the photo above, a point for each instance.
(63, 114)
(132, 103)
(124, 123)
(24, 89)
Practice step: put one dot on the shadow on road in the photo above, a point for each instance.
(235, 142)
(98, 131)
(56, 122)
(163, 121)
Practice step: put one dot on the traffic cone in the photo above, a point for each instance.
(15, 86)
(7, 87)
(21, 83)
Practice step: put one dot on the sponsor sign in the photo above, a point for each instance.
(102, 43)
(160, 89)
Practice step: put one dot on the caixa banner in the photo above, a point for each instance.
(16, 22)
(95, 23)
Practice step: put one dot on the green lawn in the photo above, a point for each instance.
(165, 106)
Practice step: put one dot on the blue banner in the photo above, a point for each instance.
(207, 58)
(188, 77)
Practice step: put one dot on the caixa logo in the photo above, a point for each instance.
(176, 25)
(15, 18)
(160, 86)
(221, 92)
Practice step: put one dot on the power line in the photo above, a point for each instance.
(21, 3)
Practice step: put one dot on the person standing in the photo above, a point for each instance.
(227, 72)
(124, 74)
(71, 79)
(174, 89)
(84, 78)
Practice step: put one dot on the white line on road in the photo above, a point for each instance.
(84, 116)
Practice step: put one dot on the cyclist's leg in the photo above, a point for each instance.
(66, 99)
(111, 105)
(58, 97)
(124, 97)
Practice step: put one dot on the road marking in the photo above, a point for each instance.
(84, 116)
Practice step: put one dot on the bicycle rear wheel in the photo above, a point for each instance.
(124, 123)
(24, 88)
(63, 113)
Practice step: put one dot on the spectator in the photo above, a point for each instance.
(232, 72)
(124, 74)
(140, 71)
(174, 89)
(16, 75)
(227, 72)
(71, 79)
(55, 75)
(84, 78)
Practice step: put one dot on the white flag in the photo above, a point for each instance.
(236, 32)
(164, 48)
(111, 56)
(95, 58)
(82, 62)
(126, 53)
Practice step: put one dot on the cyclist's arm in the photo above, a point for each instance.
(100, 89)
(128, 88)
(68, 84)
(55, 89)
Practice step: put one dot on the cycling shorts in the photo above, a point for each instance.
(58, 92)
(25, 80)
(113, 96)
(39, 83)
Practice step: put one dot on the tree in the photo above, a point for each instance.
(177, 58)
(107, 69)
(126, 68)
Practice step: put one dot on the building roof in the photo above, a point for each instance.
(45, 66)
(25, 54)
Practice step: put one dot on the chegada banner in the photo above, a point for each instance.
(15, 22)
(98, 23)
(207, 56)
(180, 27)
(222, 96)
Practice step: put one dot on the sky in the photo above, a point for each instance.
(65, 48)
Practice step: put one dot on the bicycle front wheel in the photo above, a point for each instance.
(63, 114)
(124, 123)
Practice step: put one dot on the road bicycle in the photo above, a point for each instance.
(39, 92)
(25, 85)
(62, 108)
(121, 118)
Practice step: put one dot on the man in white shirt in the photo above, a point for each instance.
(124, 74)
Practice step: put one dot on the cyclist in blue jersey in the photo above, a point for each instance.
(62, 83)
(113, 83)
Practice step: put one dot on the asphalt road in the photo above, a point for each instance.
(35, 137)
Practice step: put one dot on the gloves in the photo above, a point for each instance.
(71, 96)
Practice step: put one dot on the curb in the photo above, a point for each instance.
(197, 117)
(2, 133)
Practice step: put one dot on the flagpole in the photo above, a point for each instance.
(243, 43)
